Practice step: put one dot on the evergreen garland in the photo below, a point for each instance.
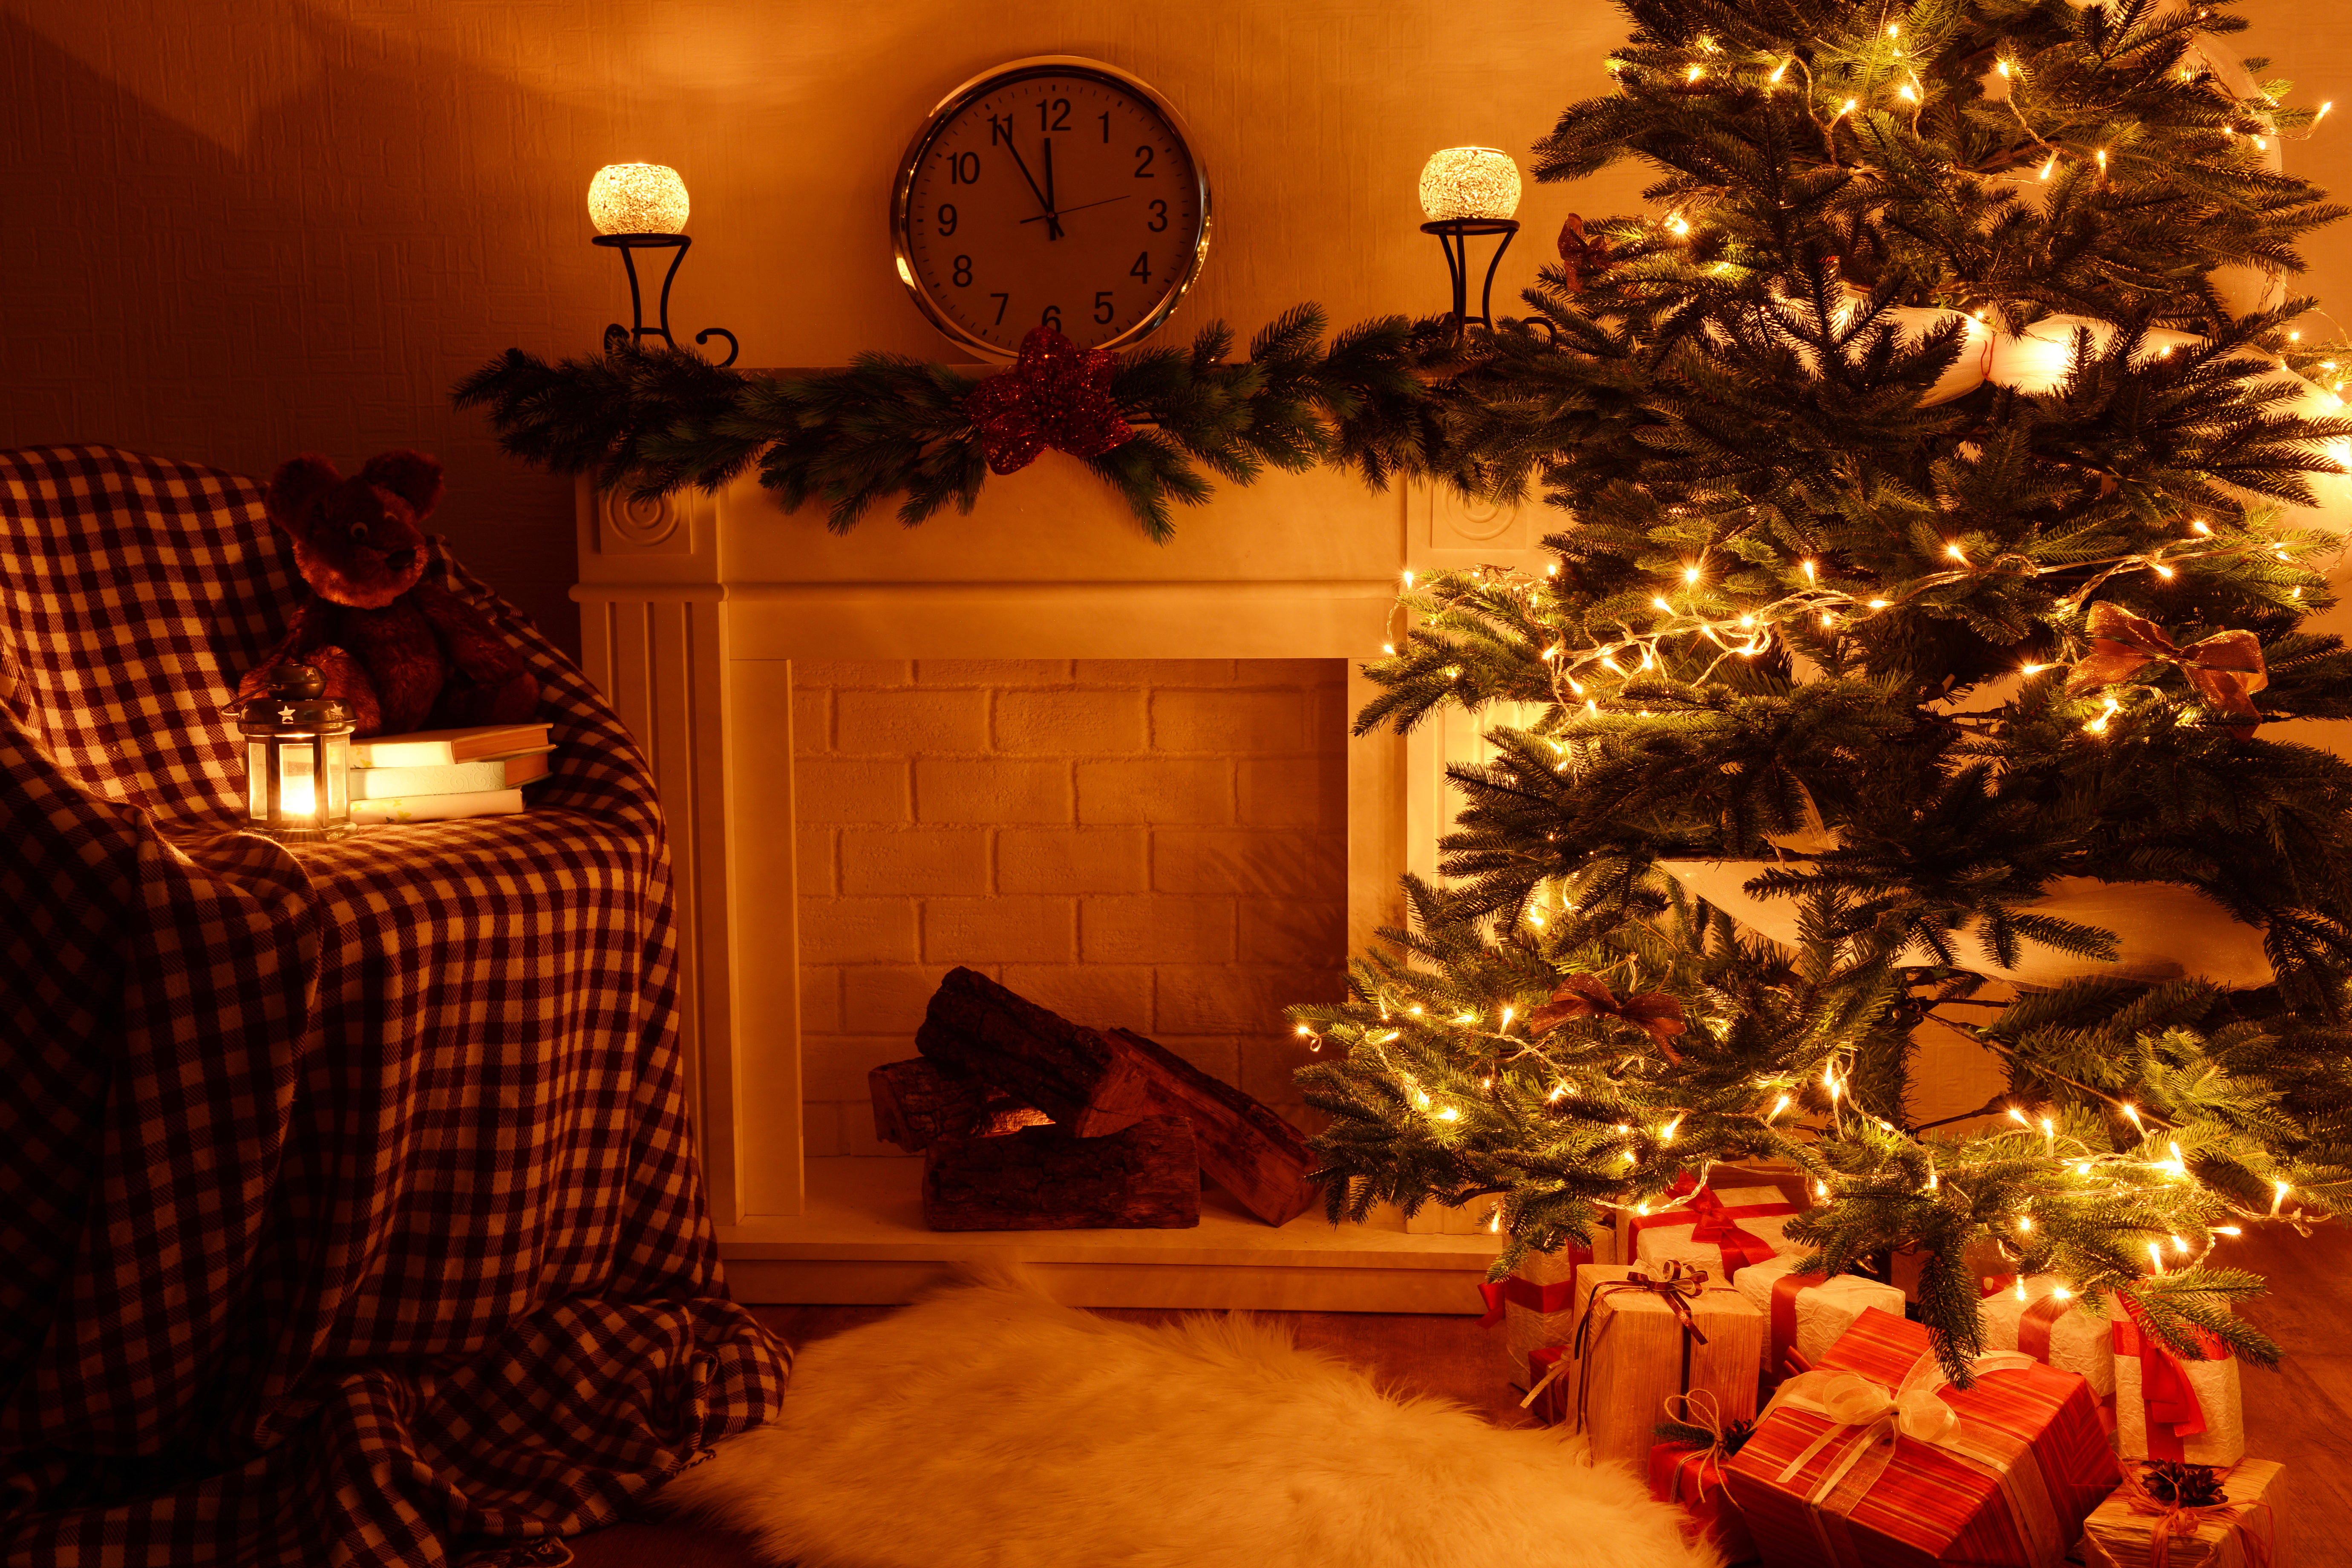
(660, 420)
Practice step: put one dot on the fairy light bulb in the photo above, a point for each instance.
(1821, 1191)
(1667, 1134)
(2020, 1287)
(2025, 1223)
(1779, 1106)
(1507, 1012)
(2279, 1190)
(1472, 183)
(637, 198)
(2019, 1117)
(1303, 1031)
(1956, 553)
(2132, 1113)
(2062, 1292)
(1449, 1114)
(1408, 577)
(2155, 1258)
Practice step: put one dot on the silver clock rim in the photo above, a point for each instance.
(902, 197)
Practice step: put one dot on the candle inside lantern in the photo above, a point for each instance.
(297, 753)
(637, 198)
(1469, 183)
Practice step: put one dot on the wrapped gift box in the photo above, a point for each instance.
(2244, 1532)
(1749, 1221)
(2049, 1326)
(1873, 1459)
(1536, 1306)
(1635, 1354)
(1805, 1314)
(2173, 1408)
(1692, 1478)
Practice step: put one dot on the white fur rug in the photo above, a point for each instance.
(990, 1427)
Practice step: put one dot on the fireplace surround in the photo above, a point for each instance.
(697, 609)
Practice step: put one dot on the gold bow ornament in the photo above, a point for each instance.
(1588, 996)
(2226, 669)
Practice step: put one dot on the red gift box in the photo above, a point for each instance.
(1692, 1478)
(1874, 1458)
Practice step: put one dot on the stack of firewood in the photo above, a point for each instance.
(1028, 1122)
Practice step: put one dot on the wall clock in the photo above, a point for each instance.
(1054, 192)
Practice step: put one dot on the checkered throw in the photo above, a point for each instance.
(348, 1205)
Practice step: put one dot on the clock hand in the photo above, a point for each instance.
(1079, 208)
(1053, 219)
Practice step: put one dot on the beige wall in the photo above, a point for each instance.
(234, 229)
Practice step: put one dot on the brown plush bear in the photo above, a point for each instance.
(402, 653)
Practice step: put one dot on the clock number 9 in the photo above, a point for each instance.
(946, 218)
(963, 271)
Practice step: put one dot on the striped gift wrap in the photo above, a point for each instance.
(2006, 1486)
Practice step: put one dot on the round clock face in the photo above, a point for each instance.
(1055, 192)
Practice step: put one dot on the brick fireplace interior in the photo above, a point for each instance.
(1157, 844)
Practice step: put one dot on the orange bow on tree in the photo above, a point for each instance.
(1588, 995)
(2226, 669)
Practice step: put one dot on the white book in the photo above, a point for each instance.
(439, 807)
(451, 778)
(438, 748)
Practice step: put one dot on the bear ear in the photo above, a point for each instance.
(298, 486)
(412, 476)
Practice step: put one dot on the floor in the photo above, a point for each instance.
(2300, 1416)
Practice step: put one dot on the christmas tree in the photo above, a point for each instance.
(1939, 507)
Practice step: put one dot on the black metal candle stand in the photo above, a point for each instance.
(628, 244)
(1454, 235)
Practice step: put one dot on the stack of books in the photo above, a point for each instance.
(438, 775)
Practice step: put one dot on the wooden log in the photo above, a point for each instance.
(918, 1102)
(1147, 1175)
(1032, 1053)
(1246, 1147)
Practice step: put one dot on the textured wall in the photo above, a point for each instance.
(1153, 844)
(239, 228)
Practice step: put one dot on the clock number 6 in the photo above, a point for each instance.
(1051, 318)
(1103, 311)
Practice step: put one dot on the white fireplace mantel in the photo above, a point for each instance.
(693, 609)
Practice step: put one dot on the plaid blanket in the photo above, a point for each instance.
(348, 1204)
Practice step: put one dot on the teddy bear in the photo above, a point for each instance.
(402, 653)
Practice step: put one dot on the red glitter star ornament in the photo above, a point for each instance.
(1056, 394)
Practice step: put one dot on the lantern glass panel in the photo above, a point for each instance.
(338, 763)
(297, 801)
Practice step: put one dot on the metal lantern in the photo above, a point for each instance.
(298, 757)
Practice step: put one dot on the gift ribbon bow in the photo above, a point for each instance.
(1869, 1416)
(1056, 394)
(1587, 996)
(2226, 669)
(2176, 1519)
(2174, 1414)
(1677, 1288)
(1725, 1438)
(1716, 1224)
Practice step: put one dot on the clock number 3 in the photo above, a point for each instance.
(1159, 217)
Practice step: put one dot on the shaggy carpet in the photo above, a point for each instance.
(990, 1427)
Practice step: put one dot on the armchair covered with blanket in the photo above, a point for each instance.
(348, 1206)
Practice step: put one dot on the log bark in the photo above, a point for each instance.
(1246, 1147)
(1032, 1053)
(1147, 1175)
(918, 1102)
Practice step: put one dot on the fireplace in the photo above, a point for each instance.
(1113, 773)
